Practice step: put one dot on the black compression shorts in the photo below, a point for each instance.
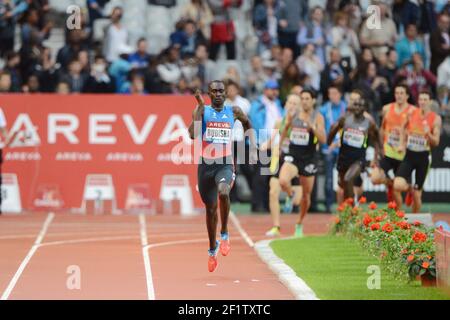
(419, 161)
(209, 178)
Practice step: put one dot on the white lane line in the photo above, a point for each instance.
(145, 254)
(84, 240)
(286, 275)
(241, 230)
(28, 257)
(172, 243)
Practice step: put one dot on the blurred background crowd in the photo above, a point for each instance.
(264, 49)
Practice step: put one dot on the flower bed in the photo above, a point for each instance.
(405, 249)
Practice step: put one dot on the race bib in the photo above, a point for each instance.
(354, 138)
(218, 132)
(417, 143)
(299, 137)
(394, 138)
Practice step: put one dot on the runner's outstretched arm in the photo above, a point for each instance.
(334, 130)
(197, 115)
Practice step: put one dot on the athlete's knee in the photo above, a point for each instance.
(224, 191)
(400, 184)
(211, 209)
(284, 183)
(377, 176)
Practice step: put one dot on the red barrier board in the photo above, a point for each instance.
(70, 137)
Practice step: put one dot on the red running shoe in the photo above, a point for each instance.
(212, 259)
(225, 247)
(390, 193)
(409, 199)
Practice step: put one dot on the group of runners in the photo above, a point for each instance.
(402, 145)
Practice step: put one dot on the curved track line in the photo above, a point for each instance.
(146, 256)
(241, 230)
(28, 257)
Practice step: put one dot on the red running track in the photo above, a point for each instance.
(135, 257)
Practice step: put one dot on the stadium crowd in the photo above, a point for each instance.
(329, 46)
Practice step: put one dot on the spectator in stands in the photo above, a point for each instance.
(74, 77)
(257, 77)
(137, 85)
(387, 65)
(310, 64)
(200, 12)
(10, 11)
(139, 60)
(71, 49)
(32, 85)
(417, 77)
(182, 88)
(32, 35)
(83, 58)
(379, 40)
(290, 13)
(47, 71)
(32, 38)
(152, 80)
(285, 59)
(374, 87)
(331, 112)
(408, 45)
(120, 70)
(345, 39)
(5, 82)
(12, 66)
(289, 79)
(265, 21)
(95, 10)
(192, 39)
(206, 67)
(440, 42)
(443, 83)
(233, 74)
(222, 27)
(315, 32)
(334, 74)
(63, 88)
(264, 113)
(169, 70)
(99, 81)
(116, 41)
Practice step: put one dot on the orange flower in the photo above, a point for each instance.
(400, 214)
(425, 265)
(341, 207)
(375, 226)
(337, 220)
(379, 218)
(367, 220)
(372, 206)
(410, 258)
(392, 205)
(403, 225)
(356, 210)
(350, 201)
(387, 228)
(417, 223)
(362, 200)
(419, 237)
